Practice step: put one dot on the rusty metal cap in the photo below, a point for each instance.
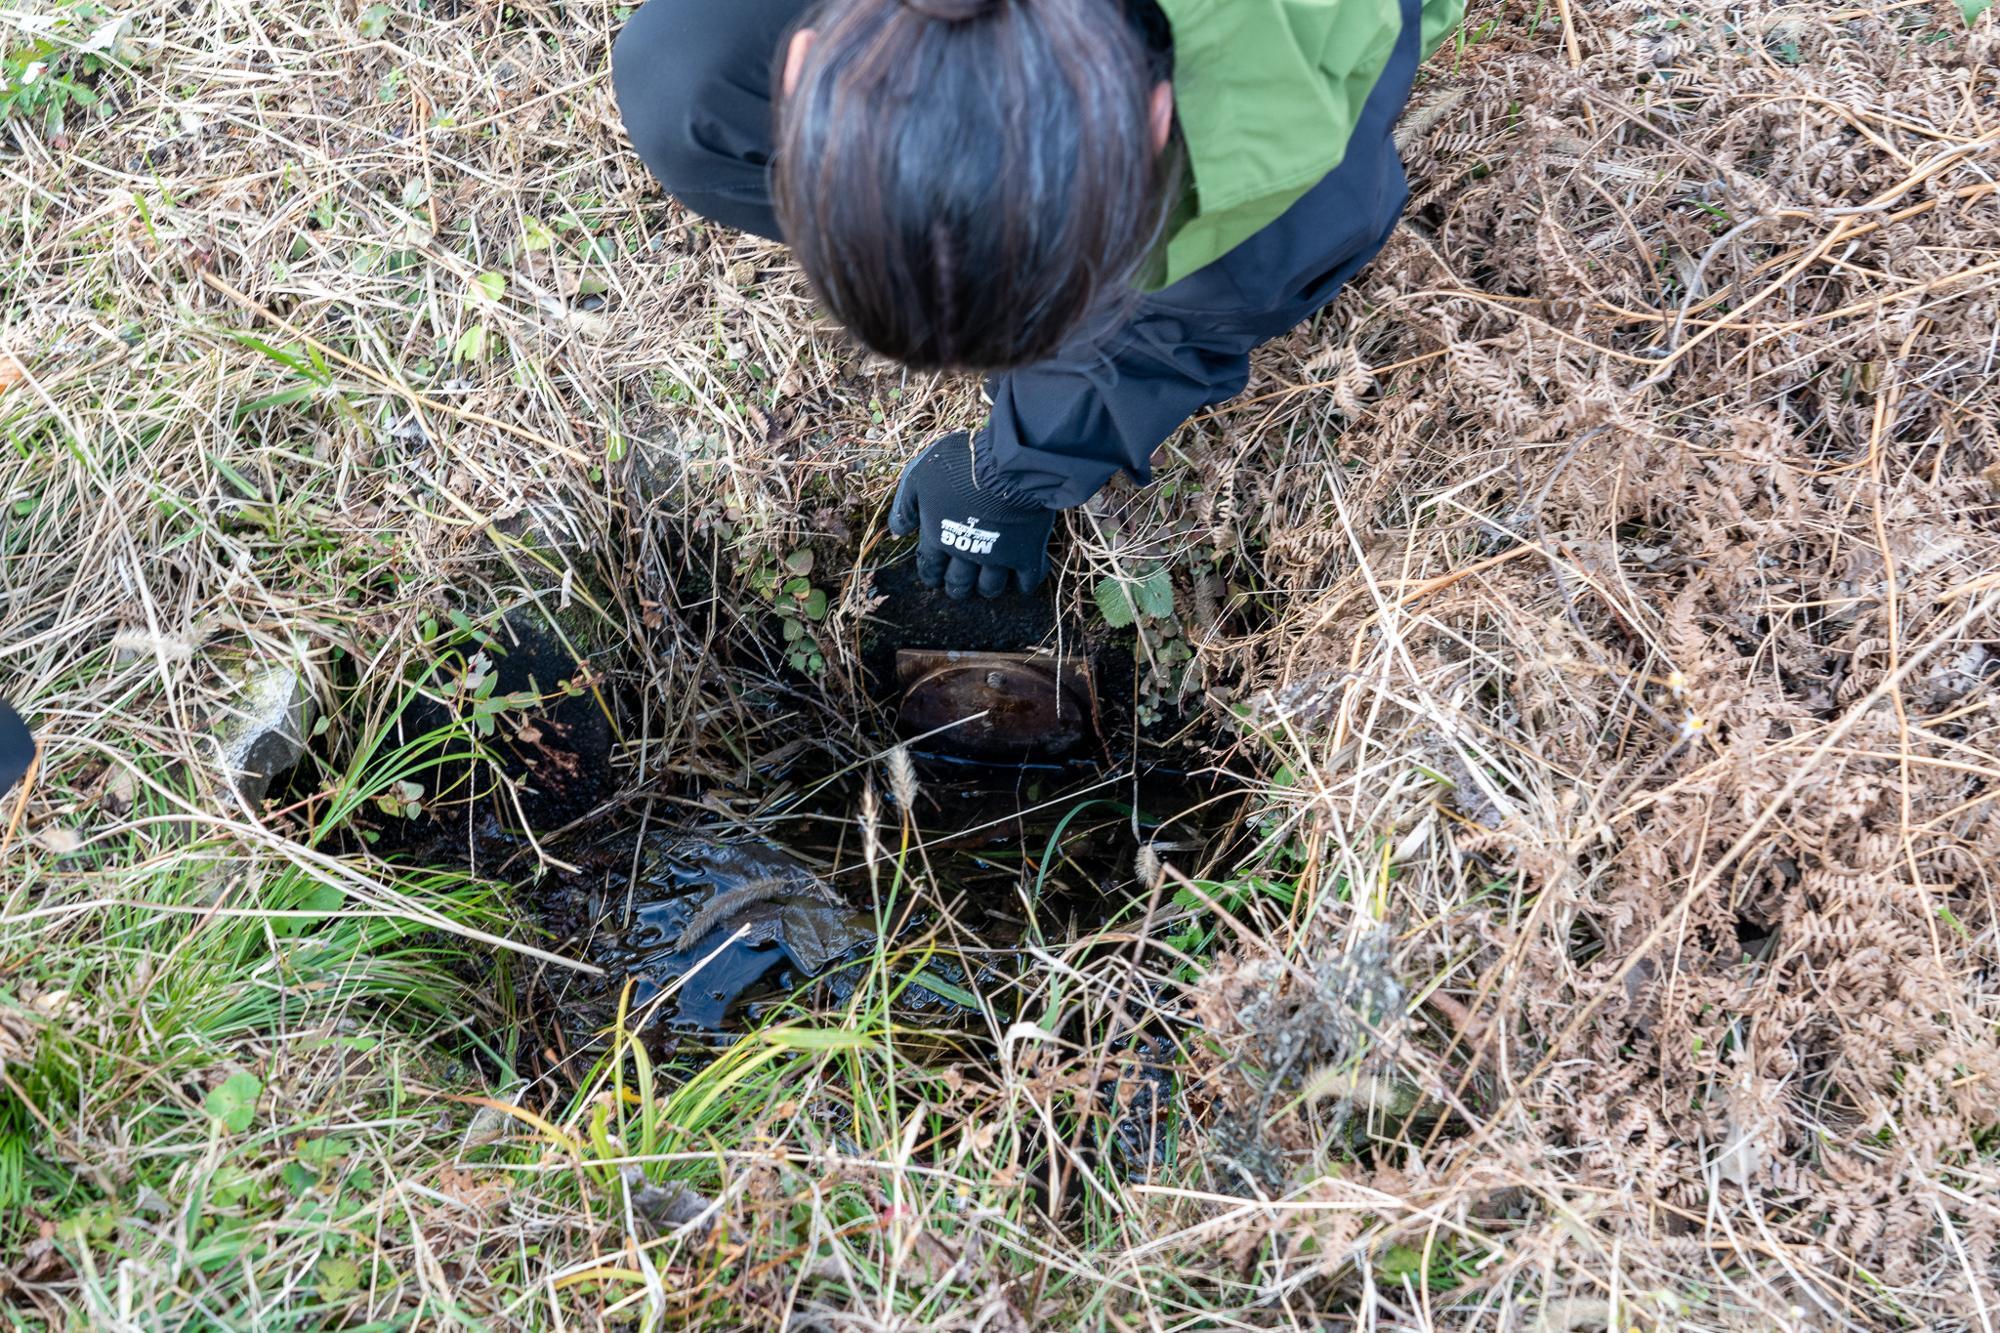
(994, 705)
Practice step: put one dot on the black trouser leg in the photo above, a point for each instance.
(694, 82)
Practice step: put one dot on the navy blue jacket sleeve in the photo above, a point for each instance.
(1059, 431)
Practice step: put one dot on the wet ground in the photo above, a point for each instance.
(983, 859)
(714, 927)
(945, 916)
(993, 854)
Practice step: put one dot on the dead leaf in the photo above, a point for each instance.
(58, 839)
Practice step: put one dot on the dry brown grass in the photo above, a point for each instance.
(1604, 591)
(1670, 546)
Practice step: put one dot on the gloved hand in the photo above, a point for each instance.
(968, 535)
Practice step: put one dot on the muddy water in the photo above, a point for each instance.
(713, 928)
(703, 927)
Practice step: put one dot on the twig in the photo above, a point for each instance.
(21, 799)
(1570, 44)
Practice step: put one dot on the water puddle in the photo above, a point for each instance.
(1017, 826)
(715, 927)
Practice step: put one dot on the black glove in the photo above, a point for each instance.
(969, 535)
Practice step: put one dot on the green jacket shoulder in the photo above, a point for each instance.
(1267, 94)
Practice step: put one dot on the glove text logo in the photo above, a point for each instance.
(968, 536)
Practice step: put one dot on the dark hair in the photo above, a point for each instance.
(967, 182)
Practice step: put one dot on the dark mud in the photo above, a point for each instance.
(553, 751)
(703, 928)
(714, 928)
(914, 616)
(510, 730)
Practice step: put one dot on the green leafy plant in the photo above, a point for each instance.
(1143, 599)
(304, 364)
(787, 587)
(1198, 935)
(233, 1102)
(1122, 600)
(50, 64)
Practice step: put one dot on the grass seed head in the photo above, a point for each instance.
(902, 777)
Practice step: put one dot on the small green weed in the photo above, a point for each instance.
(51, 65)
(786, 586)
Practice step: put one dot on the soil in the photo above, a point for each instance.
(915, 616)
(1015, 855)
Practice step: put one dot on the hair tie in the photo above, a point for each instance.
(955, 11)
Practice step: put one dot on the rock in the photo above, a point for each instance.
(262, 731)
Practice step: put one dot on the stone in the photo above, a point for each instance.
(262, 730)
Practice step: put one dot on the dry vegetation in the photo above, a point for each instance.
(1602, 597)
